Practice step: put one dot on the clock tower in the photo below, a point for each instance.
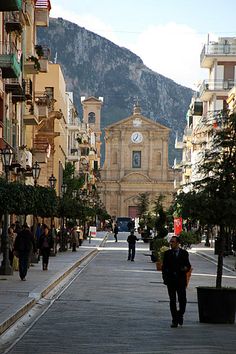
(136, 162)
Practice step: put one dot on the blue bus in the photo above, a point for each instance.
(122, 223)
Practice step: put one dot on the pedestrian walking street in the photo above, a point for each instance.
(110, 305)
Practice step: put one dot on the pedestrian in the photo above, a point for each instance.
(74, 238)
(81, 235)
(132, 244)
(45, 245)
(24, 244)
(175, 266)
(115, 230)
(11, 238)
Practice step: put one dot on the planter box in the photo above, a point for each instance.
(216, 305)
(159, 265)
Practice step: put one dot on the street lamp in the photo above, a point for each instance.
(52, 181)
(63, 188)
(36, 172)
(63, 232)
(6, 269)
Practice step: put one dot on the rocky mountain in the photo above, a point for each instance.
(94, 66)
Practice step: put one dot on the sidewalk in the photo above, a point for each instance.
(229, 262)
(17, 297)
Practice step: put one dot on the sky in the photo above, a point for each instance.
(168, 35)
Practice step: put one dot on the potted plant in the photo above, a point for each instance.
(159, 246)
(213, 201)
(188, 238)
(160, 257)
(39, 51)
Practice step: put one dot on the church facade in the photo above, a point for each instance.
(136, 162)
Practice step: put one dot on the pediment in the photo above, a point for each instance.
(136, 177)
(137, 122)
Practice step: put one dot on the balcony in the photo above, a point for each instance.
(30, 116)
(10, 61)
(43, 53)
(10, 5)
(220, 87)
(42, 9)
(13, 22)
(16, 88)
(31, 65)
(221, 52)
(28, 89)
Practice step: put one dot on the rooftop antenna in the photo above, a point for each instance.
(55, 58)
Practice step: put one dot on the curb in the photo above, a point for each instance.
(206, 256)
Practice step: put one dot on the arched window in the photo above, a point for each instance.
(91, 117)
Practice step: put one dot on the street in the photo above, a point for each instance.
(117, 306)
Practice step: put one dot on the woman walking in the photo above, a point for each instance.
(45, 245)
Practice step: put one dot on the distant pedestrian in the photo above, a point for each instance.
(175, 266)
(45, 245)
(11, 238)
(24, 244)
(115, 230)
(132, 245)
(81, 235)
(74, 239)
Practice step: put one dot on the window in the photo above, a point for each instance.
(136, 159)
(91, 117)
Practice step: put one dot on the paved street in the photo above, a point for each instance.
(115, 306)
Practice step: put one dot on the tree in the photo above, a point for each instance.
(161, 217)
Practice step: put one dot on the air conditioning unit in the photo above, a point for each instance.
(28, 159)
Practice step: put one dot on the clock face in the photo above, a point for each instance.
(136, 137)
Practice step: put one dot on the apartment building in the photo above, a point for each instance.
(20, 63)
(205, 109)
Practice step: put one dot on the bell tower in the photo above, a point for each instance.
(92, 115)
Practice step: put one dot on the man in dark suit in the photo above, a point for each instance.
(175, 266)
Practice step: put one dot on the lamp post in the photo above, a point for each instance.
(63, 233)
(6, 269)
(52, 182)
(36, 172)
(36, 169)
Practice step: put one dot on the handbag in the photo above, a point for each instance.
(15, 263)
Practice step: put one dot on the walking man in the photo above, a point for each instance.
(115, 232)
(24, 245)
(132, 244)
(175, 266)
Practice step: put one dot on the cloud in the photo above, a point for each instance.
(90, 22)
(172, 50)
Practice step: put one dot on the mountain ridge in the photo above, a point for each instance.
(94, 66)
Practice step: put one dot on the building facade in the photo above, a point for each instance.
(206, 106)
(136, 162)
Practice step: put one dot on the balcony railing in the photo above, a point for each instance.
(10, 60)
(10, 5)
(16, 88)
(28, 89)
(216, 49)
(218, 85)
(13, 22)
(31, 115)
(42, 9)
